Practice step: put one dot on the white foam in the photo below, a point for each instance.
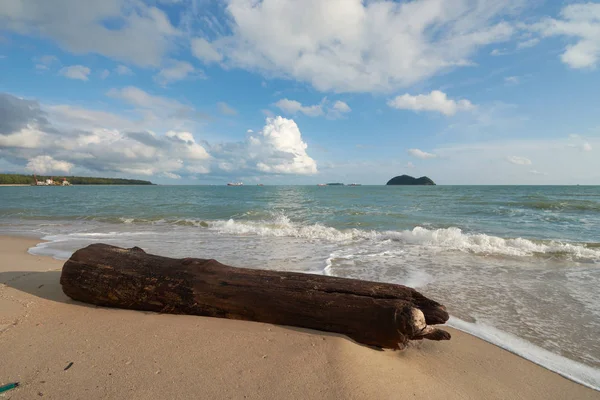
(46, 249)
(447, 239)
(570, 369)
(417, 279)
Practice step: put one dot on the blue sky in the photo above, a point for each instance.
(205, 92)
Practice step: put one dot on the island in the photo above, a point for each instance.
(19, 179)
(409, 180)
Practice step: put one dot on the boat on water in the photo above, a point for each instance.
(322, 184)
(235, 184)
(355, 184)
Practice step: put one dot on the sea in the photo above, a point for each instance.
(518, 266)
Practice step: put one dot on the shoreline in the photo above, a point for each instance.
(123, 353)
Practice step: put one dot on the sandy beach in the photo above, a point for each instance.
(137, 355)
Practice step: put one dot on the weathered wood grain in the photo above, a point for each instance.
(377, 314)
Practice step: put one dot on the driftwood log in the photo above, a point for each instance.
(376, 314)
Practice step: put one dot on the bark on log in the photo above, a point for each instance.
(376, 314)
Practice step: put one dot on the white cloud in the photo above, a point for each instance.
(580, 22)
(125, 30)
(44, 62)
(226, 109)
(499, 52)
(158, 111)
(528, 43)
(518, 160)
(341, 106)
(536, 172)
(123, 70)
(295, 107)
(171, 175)
(187, 145)
(175, 71)
(204, 51)
(104, 74)
(279, 148)
(421, 154)
(410, 165)
(198, 169)
(324, 108)
(26, 138)
(355, 45)
(435, 101)
(512, 80)
(47, 164)
(72, 116)
(62, 136)
(586, 147)
(76, 72)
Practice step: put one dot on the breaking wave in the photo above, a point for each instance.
(444, 239)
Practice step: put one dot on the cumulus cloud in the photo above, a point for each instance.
(186, 145)
(357, 46)
(421, 154)
(525, 44)
(410, 165)
(122, 29)
(341, 106)
(435, 101)
(92, 140)
(104, 74)
(518, 160)
(26, 138)
(295, 107)
(586, 147)
(123, 70)
(47, 164)
(512, 80)
(79, 72)
(226, 109)
(175, 71)
(279, 148)
(580, 22)
(204, 51)
(52, 138)
(324, 108)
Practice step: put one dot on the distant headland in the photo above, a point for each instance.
(18, 179)
(409, 180)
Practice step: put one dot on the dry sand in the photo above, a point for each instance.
(122, 354)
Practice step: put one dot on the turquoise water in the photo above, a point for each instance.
(518, 266)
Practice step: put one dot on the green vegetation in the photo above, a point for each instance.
(17, 179)
(409, 180)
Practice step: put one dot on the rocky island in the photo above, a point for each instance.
(409, 180)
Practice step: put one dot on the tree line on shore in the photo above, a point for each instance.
(19, 179)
